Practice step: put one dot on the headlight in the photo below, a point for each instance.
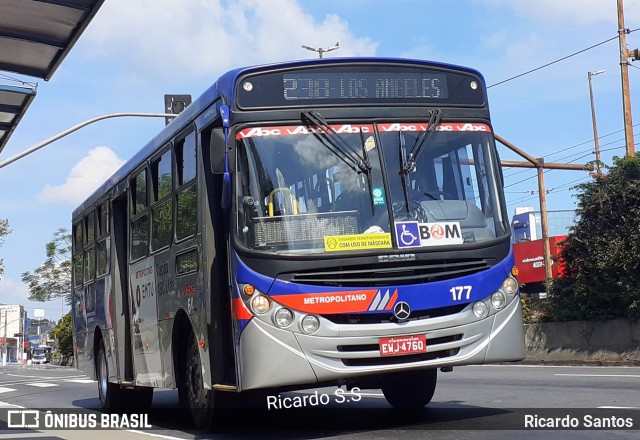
(510, 286)
(260, 304)
(498, 300)
(283, 317)
(480, 309)
(310, 324)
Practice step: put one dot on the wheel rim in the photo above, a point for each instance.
(103, 377)
(197, 393)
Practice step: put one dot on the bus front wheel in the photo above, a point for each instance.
(410, 389)
(193, 395)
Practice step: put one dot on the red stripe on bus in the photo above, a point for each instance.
(392, 301)
(328, 303)
(239, 310)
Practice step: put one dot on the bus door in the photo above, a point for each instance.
(143, 310)
(121, 318)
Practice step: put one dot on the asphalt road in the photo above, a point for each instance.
(470, 403)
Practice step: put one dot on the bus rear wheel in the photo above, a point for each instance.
(410, 389)
(192, 393)
(110, 394)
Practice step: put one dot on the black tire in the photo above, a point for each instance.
(191, 391)
(110, 394)
(410, 389)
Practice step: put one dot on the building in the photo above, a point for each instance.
(12, 322)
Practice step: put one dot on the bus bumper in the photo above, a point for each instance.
(342, 351)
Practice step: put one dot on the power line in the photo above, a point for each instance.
(554, 62)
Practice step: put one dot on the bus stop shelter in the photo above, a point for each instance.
(35, 37)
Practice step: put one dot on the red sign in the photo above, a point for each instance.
(529, 256)
(403, 345)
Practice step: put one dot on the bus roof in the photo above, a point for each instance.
(224, 87)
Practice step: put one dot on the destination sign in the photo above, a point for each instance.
(363, 85)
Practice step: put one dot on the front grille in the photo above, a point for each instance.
(382, 318)
(394, 360)
(388, 274)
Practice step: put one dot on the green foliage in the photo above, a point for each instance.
(52, 279)
(534, 310)
(602, 250)
(64, 336)
(4, 231)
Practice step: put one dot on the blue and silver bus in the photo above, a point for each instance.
(329, 222)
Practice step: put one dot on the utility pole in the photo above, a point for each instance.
(593, 119)
(4, 340)
(624, 72)
(540, 165)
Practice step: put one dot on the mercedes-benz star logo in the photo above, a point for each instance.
(402, 311)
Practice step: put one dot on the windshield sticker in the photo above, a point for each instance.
(414, 234)
(378, 197)
(408, 127)
(293, 130)
(357, 242)
(370, 143)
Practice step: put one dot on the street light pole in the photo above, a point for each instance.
(593, 119)
(321, 50)
(68, 131)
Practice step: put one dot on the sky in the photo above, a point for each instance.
(135, 52)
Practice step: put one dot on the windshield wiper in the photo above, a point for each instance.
(338, 146)
(408, 163)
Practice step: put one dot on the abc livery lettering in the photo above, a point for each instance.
(452, 127)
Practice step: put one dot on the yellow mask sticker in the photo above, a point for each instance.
(357, 242)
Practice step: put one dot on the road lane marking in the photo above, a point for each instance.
(26, 381)
(150, 434)
(80, 380)
(24, 376)
(9, 405)
(6, 390)
(619, 407)
(42, 385)
(597, 375)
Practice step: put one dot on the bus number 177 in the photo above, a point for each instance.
(461, 292)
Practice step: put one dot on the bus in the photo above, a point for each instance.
(329, 222)
(41, 354)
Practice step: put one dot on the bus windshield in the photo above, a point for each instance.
(298, 193)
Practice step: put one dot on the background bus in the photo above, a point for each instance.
(326, 222)
(41, 354)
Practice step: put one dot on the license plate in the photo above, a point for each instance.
(399, 345)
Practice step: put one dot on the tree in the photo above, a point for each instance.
(4, 231)
(53, 278)
(601, 253)
(64, 336)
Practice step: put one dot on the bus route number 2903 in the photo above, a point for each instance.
(460, 293)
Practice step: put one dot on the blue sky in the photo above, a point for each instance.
(134, 52)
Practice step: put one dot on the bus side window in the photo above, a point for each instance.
(186, 191)
(78, 247)
(162, 203)
(89, 247)
(140, 218)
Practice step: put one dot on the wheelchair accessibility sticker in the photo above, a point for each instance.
(414, 234)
